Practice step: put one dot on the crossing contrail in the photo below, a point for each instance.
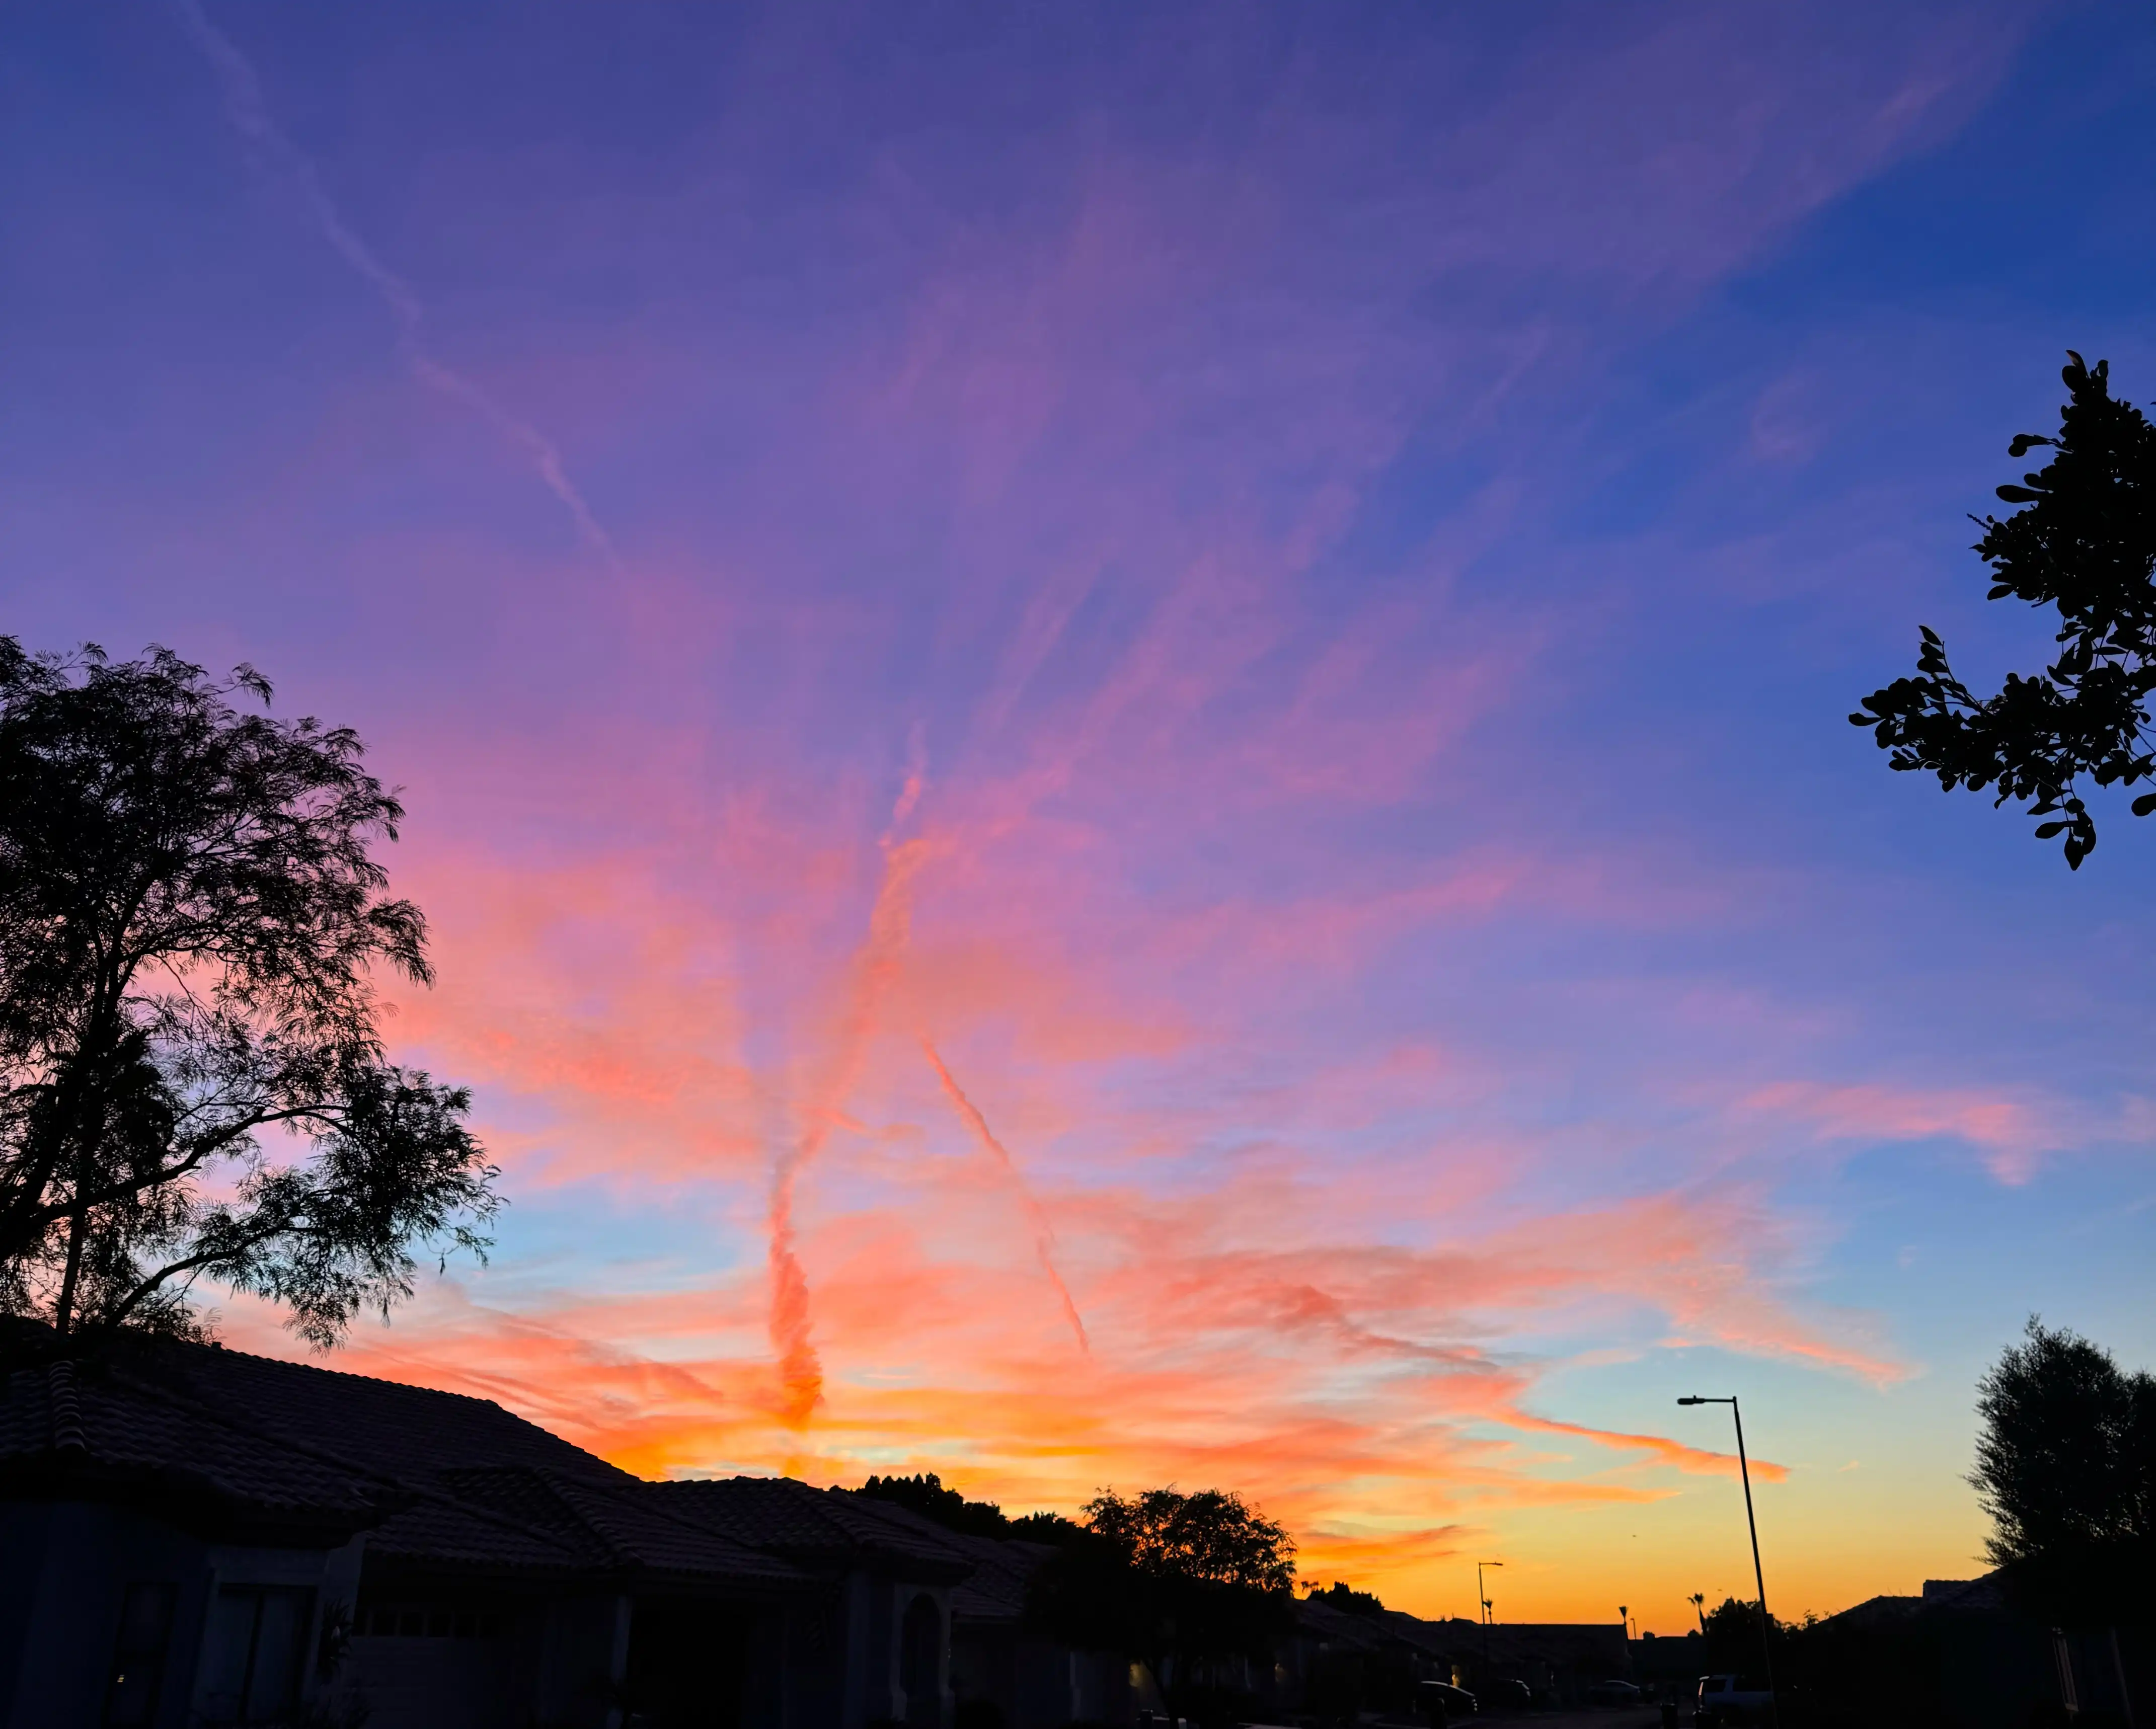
(248, 112)
(1044, 1238)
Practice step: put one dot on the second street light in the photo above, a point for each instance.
(1483, 1595)
(1482, 1591)
(1759, 1576)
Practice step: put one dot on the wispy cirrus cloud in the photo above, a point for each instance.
(248, 109)
(1248, 1055)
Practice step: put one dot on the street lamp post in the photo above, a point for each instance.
(1759, 1576)
(1482, 1595)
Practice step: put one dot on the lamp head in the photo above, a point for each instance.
(1692, 1401)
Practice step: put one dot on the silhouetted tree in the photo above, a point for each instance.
(1732, 1634)
(2085, 543)
(2066, 1468)
(191, 1083)
(1186, 1582)
(927, 1496)
(1342, 1596)
(1211, 1537)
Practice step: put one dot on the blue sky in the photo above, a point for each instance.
(1192, 661)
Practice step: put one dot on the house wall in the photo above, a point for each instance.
(821, 1679)
(70, 1565)
(444, 1659)
(447, 1653)
(1036, 1683)
(882, 1605)
(984, 1669)
(582, 1659)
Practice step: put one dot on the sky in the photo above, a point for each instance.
(1125, 729)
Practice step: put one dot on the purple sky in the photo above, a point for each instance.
(1125, 725)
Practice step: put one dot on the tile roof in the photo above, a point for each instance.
(791, 1519)
(96, 1419)
(1337, 1627)
(437, 1478)
(1978, 1596)
(439, 1530)
(389, 1426)
(622, 1526)
(1003, 1566)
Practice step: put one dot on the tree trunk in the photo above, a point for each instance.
(63, 1308)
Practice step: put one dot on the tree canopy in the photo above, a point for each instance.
(1344, 1597)
(192, 1082)
(2085, 543)
(1184, 1582)
(926, 1495)
(2065, 1465)
(1210, 1538)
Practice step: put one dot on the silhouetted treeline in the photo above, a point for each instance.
(927, 1496)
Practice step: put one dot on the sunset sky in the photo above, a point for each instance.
(1125, 725)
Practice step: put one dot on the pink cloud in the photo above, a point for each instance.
(2008, 1131)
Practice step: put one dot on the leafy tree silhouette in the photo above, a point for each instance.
(2086, 544)
(2065, 1465)
(192, 1081)
(1194, 1584)
(1211, 1537)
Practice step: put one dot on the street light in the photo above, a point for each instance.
(1482, 1591)
(1759, 1577)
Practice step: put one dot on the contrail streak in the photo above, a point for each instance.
(875, 969)
(248, 113)
(1043, 1237)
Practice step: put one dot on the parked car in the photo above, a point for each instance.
(1441, 1701)
(1612, 1692)
(1726, 1701)
(1507, 1696)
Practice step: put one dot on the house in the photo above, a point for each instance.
(1560, 1660)
(1344, 1661)
(194, 1535)
(1669, 1664)
(1004, 1671)
(1960, 1655)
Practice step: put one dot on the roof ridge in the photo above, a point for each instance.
(284, 1434)
(251, 1426)
(66, 1403)
(317, 1368)
(805, 1495)
(480, 1510)
(550, 1480)
(869, 1507)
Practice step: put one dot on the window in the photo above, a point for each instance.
(257, 1644)
(138, 1655)
(921, 1663)
(391, 1620)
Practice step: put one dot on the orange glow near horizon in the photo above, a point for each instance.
(1124, 737)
